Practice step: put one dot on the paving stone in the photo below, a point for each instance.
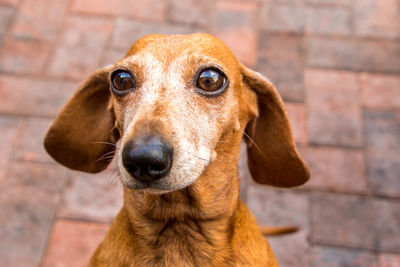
(377, 18)
(334, 169)
(29, 146)
(5, 16)
(389, 260)
(283, 64)
(9, 129)
(39, 19)
(8, 135)
(283, 17)
(355, 221)
(190, 11)
(331, 2)
(291, 250)
(153, 10)
(126, 32)
(228, 14)
(92, 197)
(337, 257)
(242, 43)
(23, 56)
(80, 47)
(354, 54)
(33, 96)
(9, 2)
(111, 56)
(234, 23)
(328, 20)
(3, 171)
(72, 243)
(28, 200)
(380, 91)
(382, 130)
(278, 207)
(297, 117)
(333, 108)
(274, 207)
(288, 2)
(383, 172)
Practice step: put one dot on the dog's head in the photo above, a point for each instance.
(172, 100)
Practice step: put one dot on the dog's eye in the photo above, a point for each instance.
(122, 82)
(212, 82)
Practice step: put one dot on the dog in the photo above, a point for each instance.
(180, 106)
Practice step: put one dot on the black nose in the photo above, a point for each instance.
(147, 158)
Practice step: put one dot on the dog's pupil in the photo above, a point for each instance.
(124, 80)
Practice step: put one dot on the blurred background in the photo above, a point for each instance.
(336, 64)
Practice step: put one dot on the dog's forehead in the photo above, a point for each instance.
(166, 48)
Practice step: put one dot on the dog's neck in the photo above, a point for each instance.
(193, 224)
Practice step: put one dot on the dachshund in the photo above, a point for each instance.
(179, 106)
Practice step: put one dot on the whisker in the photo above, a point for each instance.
(113, 153)
(221, 142)
(106, 143)
(108, 153)
(113, 179)
(107, 157)
(254, 143)
(200, 157)
(194, 155)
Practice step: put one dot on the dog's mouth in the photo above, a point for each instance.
(164, 185)
(158, 164)
(151, 188)
(183, 171)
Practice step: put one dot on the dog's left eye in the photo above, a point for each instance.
(122, 82)
(211, 82)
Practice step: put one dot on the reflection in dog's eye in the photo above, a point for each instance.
(122, 83)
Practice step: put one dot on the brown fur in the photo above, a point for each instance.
(204, 224)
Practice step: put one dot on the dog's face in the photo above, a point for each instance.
(171, 100)
(174, 97)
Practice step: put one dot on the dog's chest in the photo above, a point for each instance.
(188, 244)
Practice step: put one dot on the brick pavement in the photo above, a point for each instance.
(336, 63)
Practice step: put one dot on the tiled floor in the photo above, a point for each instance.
(335, 62)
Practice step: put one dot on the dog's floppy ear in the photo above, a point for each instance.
(272, 155)
(82, 134)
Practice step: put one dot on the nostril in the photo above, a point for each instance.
(133, 169)
(157, 169)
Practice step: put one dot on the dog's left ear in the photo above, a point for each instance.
(82, 136)
(272, 155)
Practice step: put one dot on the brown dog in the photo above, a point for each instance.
(180, 105)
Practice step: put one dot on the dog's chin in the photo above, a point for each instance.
(158, 187)
(154, 191)
(146, 187)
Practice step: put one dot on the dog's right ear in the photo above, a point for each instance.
(83, 133)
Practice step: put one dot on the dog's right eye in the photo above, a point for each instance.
(122, 83)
